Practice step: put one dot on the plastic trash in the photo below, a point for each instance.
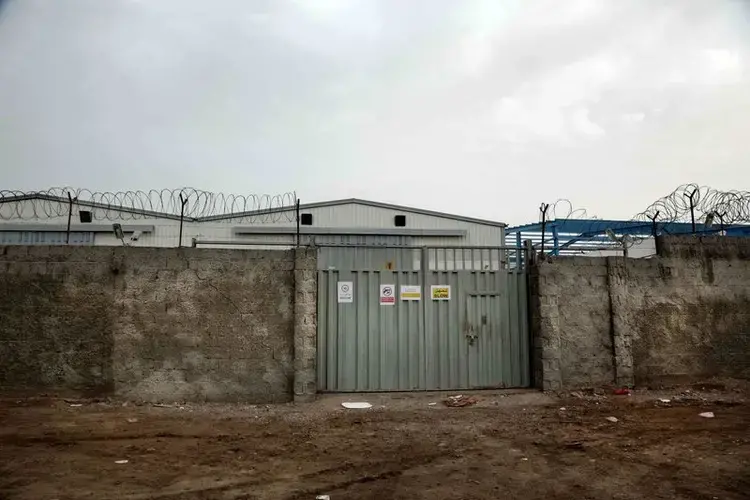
(356, 405)
(121, 461)
(708, 414)
(614, 420)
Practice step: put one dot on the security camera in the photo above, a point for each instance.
(136, 235)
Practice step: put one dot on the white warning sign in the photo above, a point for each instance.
(346, 292)
(387, 295)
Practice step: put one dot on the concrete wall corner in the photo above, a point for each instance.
(305, 324)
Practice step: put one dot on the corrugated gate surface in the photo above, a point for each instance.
(476, 338)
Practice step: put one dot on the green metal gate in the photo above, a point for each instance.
(467, 328)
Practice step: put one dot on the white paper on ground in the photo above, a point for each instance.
(356, 405)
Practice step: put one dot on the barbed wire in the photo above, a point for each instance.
(687, 204)
(562, 209)
(726, 207)
(131, 205)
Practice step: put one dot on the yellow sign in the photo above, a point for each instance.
(411, 292)
(441, 292)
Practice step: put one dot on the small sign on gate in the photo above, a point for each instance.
(346, 292)
(440, 292)
(411, 292)
(387, 295)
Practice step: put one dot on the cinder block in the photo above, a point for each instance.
(41, 252)
(14, 252)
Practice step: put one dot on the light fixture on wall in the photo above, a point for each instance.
(120, 235)
(117, 228)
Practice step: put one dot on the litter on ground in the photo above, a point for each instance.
(460, 401)
(708, 414)
(613, 419)
(356, 405)
(121, 461)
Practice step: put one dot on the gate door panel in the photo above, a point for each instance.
(472, 334)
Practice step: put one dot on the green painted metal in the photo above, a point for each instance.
(477, 339)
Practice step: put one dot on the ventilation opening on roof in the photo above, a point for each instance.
(85, 216)
(306, 219)
(399, 221)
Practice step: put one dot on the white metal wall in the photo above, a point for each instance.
(166, 231)
(352, 215)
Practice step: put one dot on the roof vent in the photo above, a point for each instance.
(399, 221)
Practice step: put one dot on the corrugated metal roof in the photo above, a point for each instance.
(305, 206)
(388, 206)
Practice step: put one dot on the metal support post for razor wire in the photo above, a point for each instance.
(70, 216)
(691, 197)
(298, 222)
(543, 209)
(183, 202)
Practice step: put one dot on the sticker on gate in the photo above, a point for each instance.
(346, 292)
(440, 292)
(387, 295)
(411, 292)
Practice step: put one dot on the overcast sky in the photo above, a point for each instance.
(478, 107)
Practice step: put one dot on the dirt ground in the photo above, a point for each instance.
(509, 445)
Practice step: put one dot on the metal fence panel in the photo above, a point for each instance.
(476, 339)
(365, 346)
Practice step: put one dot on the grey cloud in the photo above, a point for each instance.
(481, 107)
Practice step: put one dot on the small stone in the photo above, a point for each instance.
(614, 420)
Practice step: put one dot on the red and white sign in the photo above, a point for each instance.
(387, 295)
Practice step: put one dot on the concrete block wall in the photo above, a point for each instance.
(571, 325)
(152, 324)
(681, 316)
(305, 324)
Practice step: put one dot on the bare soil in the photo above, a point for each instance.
(508, 445)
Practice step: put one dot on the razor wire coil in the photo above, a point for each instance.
(132, 205)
